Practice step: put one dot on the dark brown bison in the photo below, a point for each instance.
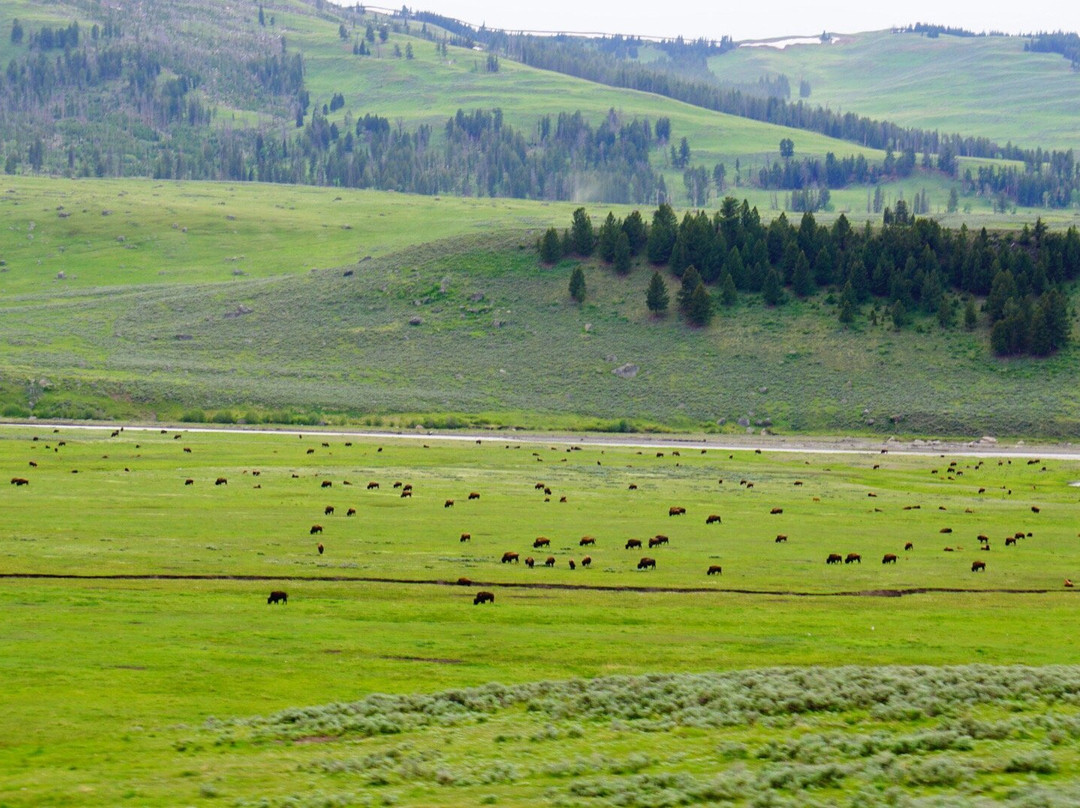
(572, 564)
(780, 538)
(448, 504)
(1011, 540)
(277, 596)
(508, 557)
(465, 537)
(483, 597)
(327, 483)
(834, 558)
(945, 530)
(351, 512)
(676, 510)
(321, 548)
(539, 486)
(311, 451)
(397, 484)
(586, 561)
(978, 566)
(1068, 583)
(372, 485)
(407, 494)
(586, 540)
(775, 511)
(407, 487)
(909, 546)
(646, 563)
(19, 481)
(562, 499)
(982, 537)
(189, 481)
(33, 465)
(632, 543)
(315, 529)
(541, 541)
(713, 518)
(656, 541)
(547, 491)
(798, 482)
(1034, 508)
(714, 569)
(530, 562)
(474, 495)
(633, 487)
(889, 558)
(328, 510)
(464, 581)
(221, 481)
(549, 561)
(853, 558)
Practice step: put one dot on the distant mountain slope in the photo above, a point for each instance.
(988, 86)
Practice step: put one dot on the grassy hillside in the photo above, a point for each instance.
(985, 86)
(498, 339)
(144, 689)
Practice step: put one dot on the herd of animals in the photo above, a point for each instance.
(643, 564)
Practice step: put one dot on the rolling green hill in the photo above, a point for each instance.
(973, 85)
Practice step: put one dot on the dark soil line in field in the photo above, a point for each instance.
(688, 590)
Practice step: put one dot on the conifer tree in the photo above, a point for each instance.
(577, 284)
(690, 280)
(550, 246)
(656, 298)
(771, 290)
(728, 294)
(621, 260)
(699, 308)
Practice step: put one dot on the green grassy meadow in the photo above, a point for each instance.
(978, 86)
(126, 689)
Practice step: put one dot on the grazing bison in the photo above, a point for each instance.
(311, 451)
(633, 486)
(562, 499)
(541, 541)
(1068, 583)
(465, 537)
(406, 494)
(327, 483)
(464, 581)
(372, 485)
(448, 504)
(676, 510)
(474, 495)
(889, 558)
(978, 566)
(539, 486)
(189, 481)
(587, 540)
(483, 597)
(714, 569)
(853, 558)
(547, 491)
(530, 562)
(632, 543)
(646, 563)
(982, 537)
(713, 518)
(315, 529)
(909, 546)
(351, 512)
(572, 564)
(780, 538)
(549, 561)
(1034, 508)
(397, 484)
(798, 482)
(221, 481)
(1011, 540)
(187, 449)
(586, 561)
(19, 481)
(656, 541)
(775, 511)
(328, 510)
(834, 558)
(508, 557)
(321, 548)
(277, 596)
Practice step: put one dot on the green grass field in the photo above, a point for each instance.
(126, 689)
(982, 86)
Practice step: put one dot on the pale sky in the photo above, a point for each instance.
(748, 20)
